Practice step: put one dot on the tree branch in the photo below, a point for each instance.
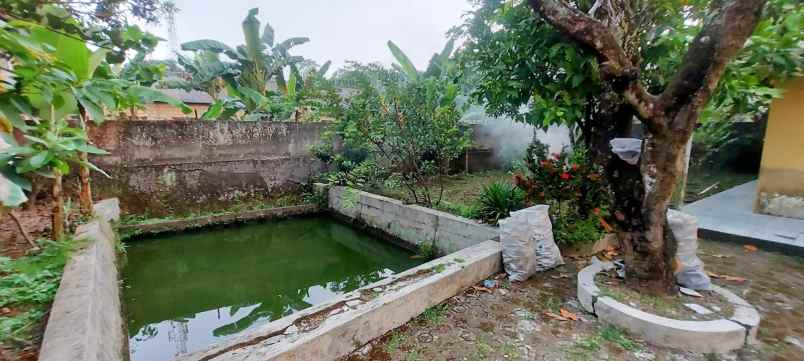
(729, 25)
(615, 66)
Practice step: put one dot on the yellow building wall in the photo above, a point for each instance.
(781, 177)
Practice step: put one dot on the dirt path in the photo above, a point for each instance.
(512, 322)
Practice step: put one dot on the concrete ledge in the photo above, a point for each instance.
(228, 218)
(85, 321)
(716, 336)
(410, 223)
(336, 328)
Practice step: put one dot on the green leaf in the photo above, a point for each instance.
(11, 193)
(268, 35)
(40, 159)
(86, 148)
(404, 62)
(214, 111)
(292, 85)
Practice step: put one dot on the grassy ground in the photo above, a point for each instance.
(461, 191)
(27, 287)
(703, 182)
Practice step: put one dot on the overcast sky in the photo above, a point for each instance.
(339, 30)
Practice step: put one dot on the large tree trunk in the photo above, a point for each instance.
(668, 118)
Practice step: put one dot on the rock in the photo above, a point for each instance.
(292, 330)
(795, 341)
(644, 355)
(526, 327)
(701, 310)
(690, 292)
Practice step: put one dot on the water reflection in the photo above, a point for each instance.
(186, 292)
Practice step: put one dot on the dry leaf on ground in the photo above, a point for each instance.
(750, 248)
(726, 277)
(568, 315)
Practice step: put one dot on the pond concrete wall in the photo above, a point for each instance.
(410, 223)
(166, 167)
(86, 322)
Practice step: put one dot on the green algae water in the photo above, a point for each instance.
(185, 292)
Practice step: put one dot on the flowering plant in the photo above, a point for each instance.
(571, 184)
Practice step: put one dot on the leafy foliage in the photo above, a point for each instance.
(498, 200)
(402, 129)
(28, 285)
(572, 186)
(522, 67)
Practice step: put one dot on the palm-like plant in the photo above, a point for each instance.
(260, 59)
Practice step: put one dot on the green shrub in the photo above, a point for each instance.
(574, 188)
(498, 200)
(571, 231)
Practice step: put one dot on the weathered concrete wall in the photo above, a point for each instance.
(410, 223)
(170, 167)
(86, 322)
(781, 176)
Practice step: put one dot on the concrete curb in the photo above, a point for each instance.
(716, 336)
(338, 327)
(86, 322)
(218, 219)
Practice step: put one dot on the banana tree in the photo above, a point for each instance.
(440, 63)
(260, 60)
(207, 72)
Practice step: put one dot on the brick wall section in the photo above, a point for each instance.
(174, 167)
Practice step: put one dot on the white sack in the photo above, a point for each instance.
(527, 243)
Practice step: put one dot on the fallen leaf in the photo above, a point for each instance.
(718, 255)
(726, 277)
(750, 248)
(568, 315)
(555, 317)
(481, 288)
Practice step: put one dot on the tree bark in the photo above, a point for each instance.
(668, 121)
(57, 207)
(85, 197)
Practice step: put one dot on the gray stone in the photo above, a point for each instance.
(690, 292)
(795, 341)
(701, 310)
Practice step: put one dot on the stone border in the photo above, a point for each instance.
(85, 321)
(218, 219)
(410, 223)
(716, 336)
(336, 328)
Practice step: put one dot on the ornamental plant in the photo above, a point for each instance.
(572, 185)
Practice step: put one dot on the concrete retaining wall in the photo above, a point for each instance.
(410, 223)
(177, 225)
(86, 322)
(170, 167)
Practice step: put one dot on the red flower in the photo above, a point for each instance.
(565, 176)
(575, 166)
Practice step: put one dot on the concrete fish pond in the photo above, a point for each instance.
(186, 291)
